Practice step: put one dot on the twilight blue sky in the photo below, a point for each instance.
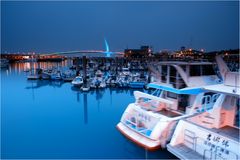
(64, 26)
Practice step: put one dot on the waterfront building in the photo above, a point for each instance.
(144, 51)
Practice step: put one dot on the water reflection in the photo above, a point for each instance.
(33, 95)
(78, 97)
(58, 120)
(41, 83)
(99, 94)
(85, 105)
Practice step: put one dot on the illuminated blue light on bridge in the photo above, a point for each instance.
(107, 52)
(106, 45)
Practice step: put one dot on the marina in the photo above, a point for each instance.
(169, 98)
(120, 80)
(66, 120)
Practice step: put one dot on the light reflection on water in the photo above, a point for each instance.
(52, 119)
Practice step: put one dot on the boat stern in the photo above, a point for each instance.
(137, 138)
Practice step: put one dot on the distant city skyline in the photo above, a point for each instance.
(56, 26)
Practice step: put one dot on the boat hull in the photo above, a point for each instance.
(142, 141)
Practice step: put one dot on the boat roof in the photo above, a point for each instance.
(187, 90)
(222, 88)
(185, 63)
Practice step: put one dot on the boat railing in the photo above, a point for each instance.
(151, 102)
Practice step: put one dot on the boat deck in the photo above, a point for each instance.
(228, 131)
(168, 113)
(183, 152)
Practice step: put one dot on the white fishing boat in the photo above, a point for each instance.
(98, 81)
(77, 81)
(151, 120)
(214, 133)
(111, 80)
(103, 84)
(125, 71)
(99, 73)
(68, 76)
(122, 81)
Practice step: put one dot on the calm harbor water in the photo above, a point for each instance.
(42, 119)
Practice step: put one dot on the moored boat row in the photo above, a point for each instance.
(195, 117)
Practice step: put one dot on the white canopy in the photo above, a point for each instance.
(221, 88)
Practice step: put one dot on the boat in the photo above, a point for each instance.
(102, 84)
(77, 81)
(56, 75)
(122, 81)
(137, 82)
(98, 81)
(111, 80)
(125, 71)
(99, 73)
(152, 118)
(213, 134)
(68, 76)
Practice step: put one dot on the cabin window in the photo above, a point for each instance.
(195, 70)
(172, 95)
(175, 79)
(164, 68)
(172, 72)
(208, 70)
(209, 98)
(200, 70)
(164, 73)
